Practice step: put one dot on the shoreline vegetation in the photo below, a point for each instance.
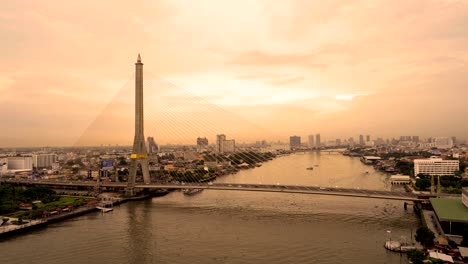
(402, 163)
(26, 208)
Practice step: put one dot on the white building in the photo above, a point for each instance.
(43, 160)
(20, 163)
(399, 179)
(436, 166)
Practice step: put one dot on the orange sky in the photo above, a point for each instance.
(261, 69)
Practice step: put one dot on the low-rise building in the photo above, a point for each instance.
(452, 214)
(399, 179)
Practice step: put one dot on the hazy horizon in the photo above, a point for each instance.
(253, 70)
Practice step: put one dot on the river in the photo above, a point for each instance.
(235, 226)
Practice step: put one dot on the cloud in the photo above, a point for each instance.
(286, 81)
(259, 58)
(281, 63)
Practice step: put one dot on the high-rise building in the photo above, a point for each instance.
(202, 144)
(361, 140)
(454, 140)
(223, 145)
(20, 163)
(152, 146)
(379, 141)
(443, 142)
(229, 146)
(220, 143)
(294, 141)
(406, 138)
(318, 143)
(415, 139)
(311, 141)
(43, 160)
(338, 142)
(351, 141)
(367, 138)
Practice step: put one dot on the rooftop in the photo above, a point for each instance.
(450, 209)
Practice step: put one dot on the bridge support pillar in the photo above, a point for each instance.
(130, 191)
(432, 184)
(439, 189)
(97, 188)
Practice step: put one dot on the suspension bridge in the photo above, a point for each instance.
(140, 159)
(273, 188)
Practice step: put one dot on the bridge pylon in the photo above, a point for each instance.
(139, 154)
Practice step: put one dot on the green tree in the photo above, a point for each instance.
(122, 161)
(416, 256)
(423, 184)
(425, 236)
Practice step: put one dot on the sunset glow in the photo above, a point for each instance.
(301, 64)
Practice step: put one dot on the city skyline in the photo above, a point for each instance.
(321, 69)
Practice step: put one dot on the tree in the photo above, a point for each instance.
(416, 256)
(425, 236)
(123, 161)
(423, 184)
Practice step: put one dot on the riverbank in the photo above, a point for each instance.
(11, 229)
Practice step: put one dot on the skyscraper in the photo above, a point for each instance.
(361, 140)
(43, 160)
(367, 138)
(294, 141)
(202, 144)
(139, 153)
(317, 141)
(152, 146)
(223, 145)
(220, 143)
(311, 141)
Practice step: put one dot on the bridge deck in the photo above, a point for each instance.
(349, 192)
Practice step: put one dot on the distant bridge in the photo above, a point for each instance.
(348, 192)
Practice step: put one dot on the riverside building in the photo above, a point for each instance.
(436, 166)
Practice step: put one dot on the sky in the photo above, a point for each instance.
(254, 70)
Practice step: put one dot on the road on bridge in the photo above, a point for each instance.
(349, 192)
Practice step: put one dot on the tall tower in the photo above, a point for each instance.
(139, 154)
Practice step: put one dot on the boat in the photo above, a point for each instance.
(310, 168)
(398, 246)
(105, 207)
(191, 191)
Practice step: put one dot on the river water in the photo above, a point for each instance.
(234, 226)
